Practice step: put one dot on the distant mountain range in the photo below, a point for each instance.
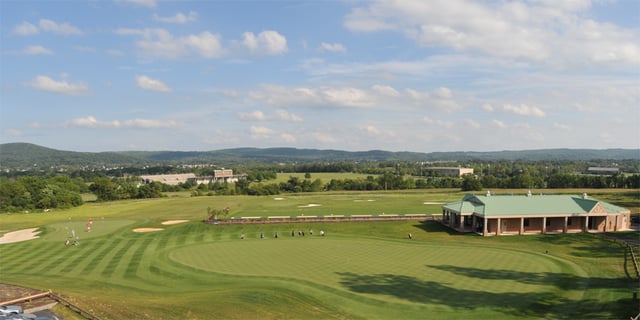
(16, 155)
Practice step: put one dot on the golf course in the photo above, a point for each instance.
(157, 259)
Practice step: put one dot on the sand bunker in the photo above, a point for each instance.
(310, 205)
(358, 200)
(278, 199)
(143, 230)
(20, 235)
(433, 203)
(170, 222)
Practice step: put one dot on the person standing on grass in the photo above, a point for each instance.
(410, 236)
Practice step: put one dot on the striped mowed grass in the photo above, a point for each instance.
(358, 270)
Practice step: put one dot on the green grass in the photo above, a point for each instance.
(357, 271)
(324, 176)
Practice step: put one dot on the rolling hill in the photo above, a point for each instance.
(16, 155)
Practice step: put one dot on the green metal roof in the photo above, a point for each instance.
(531, 205)
(464, 207)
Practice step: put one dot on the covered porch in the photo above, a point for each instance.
(546, 224)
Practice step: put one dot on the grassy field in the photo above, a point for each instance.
(357, 271)
(324, 176)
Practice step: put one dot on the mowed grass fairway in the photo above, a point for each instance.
(357, 271)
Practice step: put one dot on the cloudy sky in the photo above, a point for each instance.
(438, 75)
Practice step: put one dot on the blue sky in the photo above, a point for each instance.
(441, 75)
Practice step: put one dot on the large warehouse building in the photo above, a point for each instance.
(533, 214)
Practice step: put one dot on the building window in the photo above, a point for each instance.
(548, 222)
(526, 222)
(568, 221)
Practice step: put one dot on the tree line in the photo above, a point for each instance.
(49, 190)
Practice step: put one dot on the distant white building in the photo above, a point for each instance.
(603, 170)
(451, 171)
(170, 179)
(224, 175)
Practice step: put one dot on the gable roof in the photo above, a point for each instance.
(529, 205)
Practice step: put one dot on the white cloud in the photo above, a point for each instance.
(385, 90)
(25, 29)
(260, 132)
(92, 122)
(521, 110)
(444, 93)
(178, 18)
(58, 28)
(287, 137)
(161, 43)
(147, 83)
(252, 116)
(468, 123)
(323, 137)
(372, 130)
(138, 3)
(332, 47)
(62, 87)
(46, 25)
(286, 116)
(561, 126)
(13, 132)
(347, 96)
(498, 123)
(250, 41)
(524, 110)
(553, 33)
(37, 50)
(378, 96)
(438, 123)
(280, 114)
(206, 44)
(487, 107)
(268, 42)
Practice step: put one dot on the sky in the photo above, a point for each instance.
(423, 76)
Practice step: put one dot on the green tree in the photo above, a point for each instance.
(471, 183)
(104, 189)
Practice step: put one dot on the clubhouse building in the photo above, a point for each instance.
(533, 214)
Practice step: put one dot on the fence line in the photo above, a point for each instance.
(329, 218)
(82, 312)
(27, 298)
(633, 258)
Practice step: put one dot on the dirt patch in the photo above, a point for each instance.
(20, 235)
(170, 222)
(143, 230)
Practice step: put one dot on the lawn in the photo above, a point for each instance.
(357, 271)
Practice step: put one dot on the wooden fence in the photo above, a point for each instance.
(49, 294)
(633, 258)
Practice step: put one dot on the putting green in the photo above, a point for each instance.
(402, 272)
